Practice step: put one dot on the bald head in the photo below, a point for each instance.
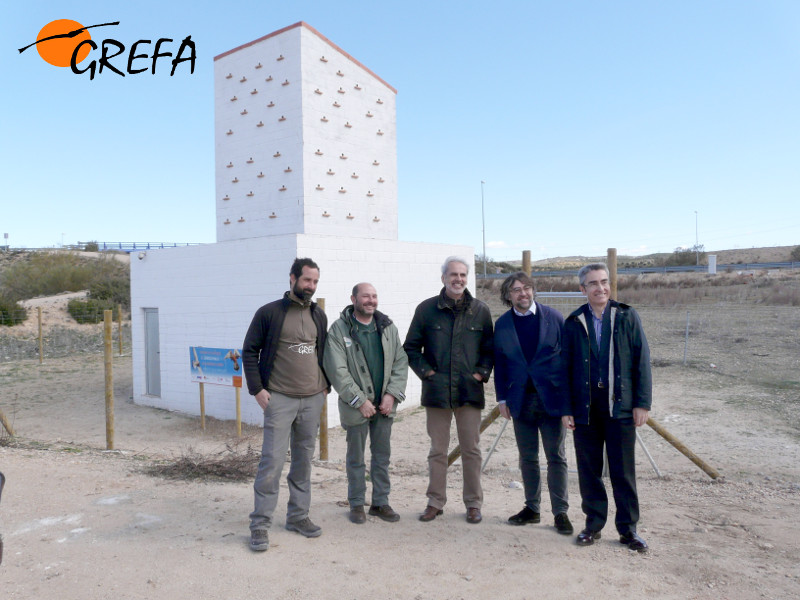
(365, 301)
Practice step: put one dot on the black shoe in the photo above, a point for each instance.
(587, 537)
(563, 526)
(259, 540)
(384, 512)
(305, 527)
(523, 517)
(633, 541)
(357, 515)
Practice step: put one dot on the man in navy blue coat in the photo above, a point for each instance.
(529, 381)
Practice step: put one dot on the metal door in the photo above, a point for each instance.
(152, 354)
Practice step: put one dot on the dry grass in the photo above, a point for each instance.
(778, 288)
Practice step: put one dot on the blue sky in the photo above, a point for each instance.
(593, 124)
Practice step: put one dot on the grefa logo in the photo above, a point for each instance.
(302, 348)
(67, 43)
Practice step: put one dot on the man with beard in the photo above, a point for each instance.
(282, 357)
(528, 378)
(368, 368)
(449, 346)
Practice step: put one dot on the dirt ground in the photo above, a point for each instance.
(81, 522)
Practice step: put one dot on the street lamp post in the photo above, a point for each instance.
(483, 227)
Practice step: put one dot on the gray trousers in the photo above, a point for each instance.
(379, 429)
(553, 434)
(286, 420)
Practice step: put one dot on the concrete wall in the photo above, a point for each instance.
(206, 296)
(349, 145)
(258, 154)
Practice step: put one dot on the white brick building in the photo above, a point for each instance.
(305, 166)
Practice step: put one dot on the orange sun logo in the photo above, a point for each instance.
(57, 41)
(58, 50)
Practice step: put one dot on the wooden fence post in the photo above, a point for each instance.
(612, 271)
(526, 262)
(41, 347)
(487, 420)
(683, 449)
(119, 327)
(6, 425)
(323, 417)
(107, 350)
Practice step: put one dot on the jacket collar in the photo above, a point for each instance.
(287, 302)
(381, 320)
(445, 301)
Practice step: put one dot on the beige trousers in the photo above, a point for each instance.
(468, 422)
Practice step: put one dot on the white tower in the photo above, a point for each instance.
(305, 141)
(306, 165)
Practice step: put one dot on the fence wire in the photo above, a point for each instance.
(59, 341)
(758, 342)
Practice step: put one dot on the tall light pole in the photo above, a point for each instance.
(696, 240)
(483, 226)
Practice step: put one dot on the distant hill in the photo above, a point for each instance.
(724, 257)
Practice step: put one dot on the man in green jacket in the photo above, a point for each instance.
(367, 366)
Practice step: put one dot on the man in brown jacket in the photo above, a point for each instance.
(282, 359)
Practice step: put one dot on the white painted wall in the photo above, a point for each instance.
(207, 295)
(284, 119)
(270, 99)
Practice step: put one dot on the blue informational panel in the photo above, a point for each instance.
(220, 366)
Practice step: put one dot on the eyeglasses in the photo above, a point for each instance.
(596, 284)
(519, 290)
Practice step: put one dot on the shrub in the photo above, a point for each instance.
(11, 313)
(795, 255)
(686, 256)
(116, 290)
(91, 247)
(91, 310)
(49, 273)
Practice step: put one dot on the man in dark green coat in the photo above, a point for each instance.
(607, 362)
(449, 346)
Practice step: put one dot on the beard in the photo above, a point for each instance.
(362, 310)
(303, 294)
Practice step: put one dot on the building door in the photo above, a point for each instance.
(152, 354)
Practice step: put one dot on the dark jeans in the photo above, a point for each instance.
(527, 429)
(619, 438)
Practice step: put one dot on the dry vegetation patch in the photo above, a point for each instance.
(236, 462)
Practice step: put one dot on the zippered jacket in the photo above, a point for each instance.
(628, 364)
(454, 344)
(261, 341)
(346, 366)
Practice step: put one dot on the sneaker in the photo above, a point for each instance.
(384, 512)
(259, 540)
(305, 527)
(523, 517)
(563, 526)
(357, 515)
